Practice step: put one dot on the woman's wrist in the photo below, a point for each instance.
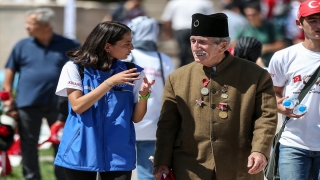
(144, 96)
(108, 84)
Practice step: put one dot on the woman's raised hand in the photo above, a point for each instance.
(124, 77)
(145, 86)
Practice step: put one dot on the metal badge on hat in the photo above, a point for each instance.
(196, 23)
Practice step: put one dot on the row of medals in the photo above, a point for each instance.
(222, 106)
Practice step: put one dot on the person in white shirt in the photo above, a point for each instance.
(156, 66)
(290, 69)
(177, 17)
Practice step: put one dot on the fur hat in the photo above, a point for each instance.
(214, 25)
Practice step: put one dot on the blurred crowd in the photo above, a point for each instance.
(271, 22)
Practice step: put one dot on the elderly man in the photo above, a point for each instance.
(219, 113)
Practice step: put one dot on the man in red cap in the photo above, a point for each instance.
(290, 69)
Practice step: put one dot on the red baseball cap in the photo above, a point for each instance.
(308, 8)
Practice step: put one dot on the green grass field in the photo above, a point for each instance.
(46, 167)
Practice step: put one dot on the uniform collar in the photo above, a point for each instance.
(222, 65)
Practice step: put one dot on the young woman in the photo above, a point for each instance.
(99, 133)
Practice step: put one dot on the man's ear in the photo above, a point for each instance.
(46, 25)
(298, 23)
(224, 46)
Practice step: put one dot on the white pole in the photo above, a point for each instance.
(70, 16)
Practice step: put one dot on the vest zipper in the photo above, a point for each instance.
(71, 142)
(103, 135)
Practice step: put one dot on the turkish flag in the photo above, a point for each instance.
(297, 78)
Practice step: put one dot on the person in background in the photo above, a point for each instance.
(156, 66)
(270, 37)
(177, 17)
(38, 60)
(249, 48)
(218, 115)
(106, 99)
(290, 69)
(63, 109)
(126, 11)
(292, 31)
(235, 18)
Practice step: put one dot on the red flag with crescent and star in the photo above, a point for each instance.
(297, 78)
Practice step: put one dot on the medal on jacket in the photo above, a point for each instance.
(224, 88)
(224, 96)
(199, 102)
(223, 113)
(205, 90)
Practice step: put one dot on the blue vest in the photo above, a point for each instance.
(103, 137)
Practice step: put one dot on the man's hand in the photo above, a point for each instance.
(8, 104)
(286, 111)
(256, 162)
(159, 170)
(9, 107)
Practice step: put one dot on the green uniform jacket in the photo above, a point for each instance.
(194, 140)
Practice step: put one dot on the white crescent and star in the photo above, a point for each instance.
(312, 6)
(196, 23)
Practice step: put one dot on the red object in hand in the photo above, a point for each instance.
(169, 177)
(4, 95)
